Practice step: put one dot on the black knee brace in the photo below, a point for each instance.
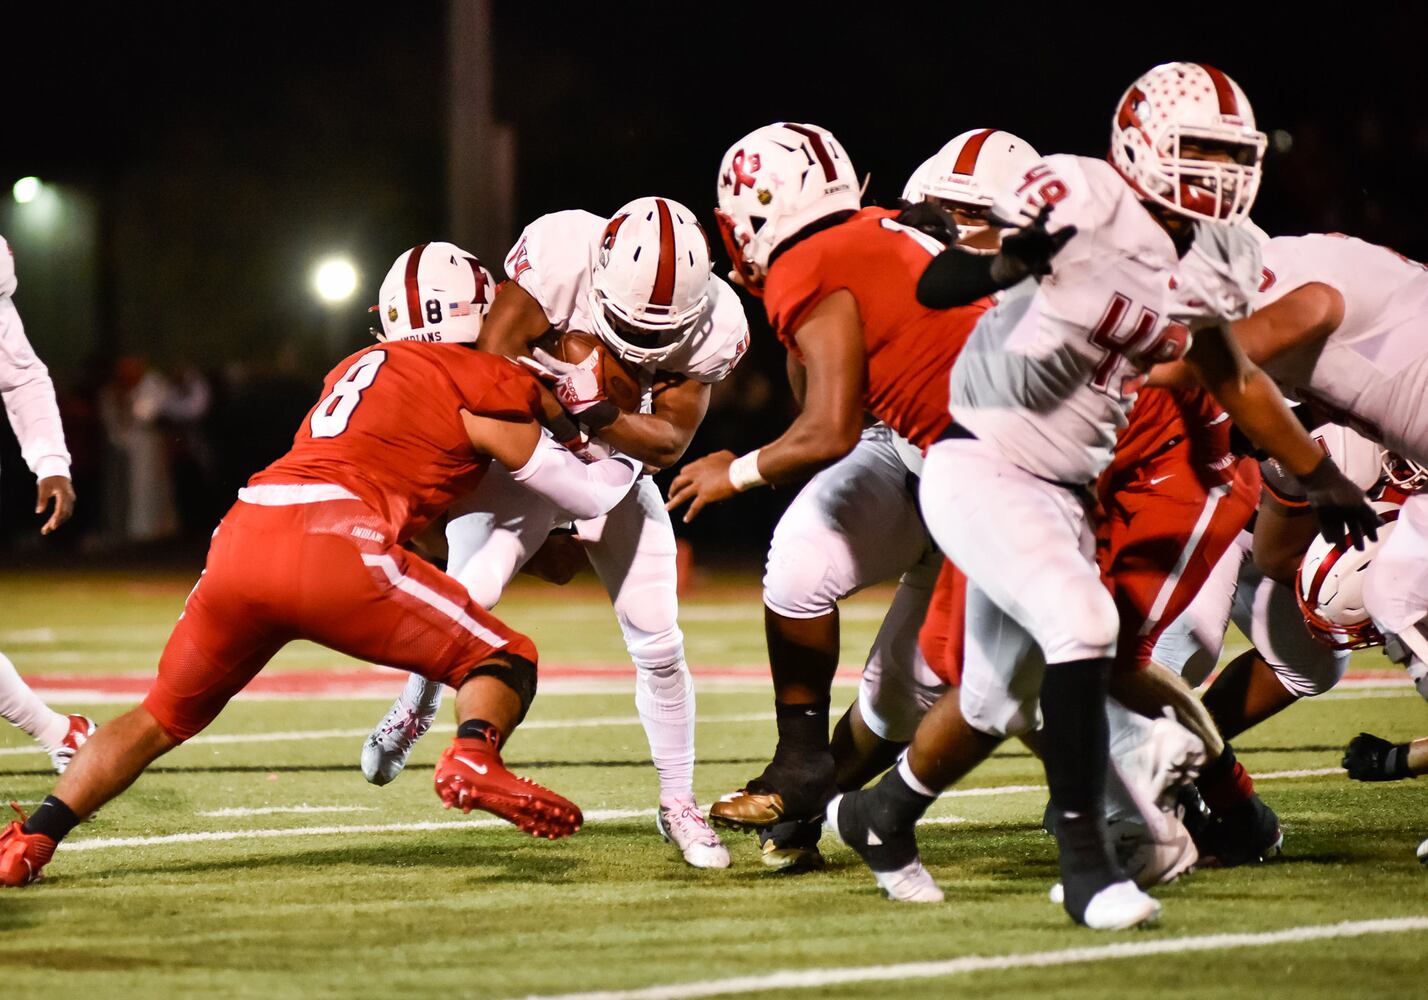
(516, 672)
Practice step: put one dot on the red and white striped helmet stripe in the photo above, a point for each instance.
(413, 294)
(663, 293)
(1224, 91)
(820, 149)
(967, 159)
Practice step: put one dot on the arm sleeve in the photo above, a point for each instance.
(30, 399)
(582, 491)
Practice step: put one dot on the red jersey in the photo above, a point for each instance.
(388, 427)
(909, 349)
(1181, 427)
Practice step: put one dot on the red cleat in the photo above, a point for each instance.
(470, 775)
(81, 728)
(23, 855)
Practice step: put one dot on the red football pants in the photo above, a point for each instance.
(1157, 540)
(318, 571)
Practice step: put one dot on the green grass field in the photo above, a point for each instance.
(256, 860)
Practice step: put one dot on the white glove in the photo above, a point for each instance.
(579, 388)
(1219, 275)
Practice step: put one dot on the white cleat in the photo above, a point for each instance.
(1423, 853)
(1118, 907)
(81, 728)
(913, 884)
(684, 826)
(386, 751)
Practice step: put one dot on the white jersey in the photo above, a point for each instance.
(553, 260)
(1372, 372)
(1050, 374)
(25, 384)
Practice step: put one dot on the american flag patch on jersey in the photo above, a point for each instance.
(458, 309)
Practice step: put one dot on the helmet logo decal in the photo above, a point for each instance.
(607, 238)
(820, 150)
(478, 272)
(967, 159)
(764, 195)
(392, 314)
(742, 177)
(413, 293)
(663, 293)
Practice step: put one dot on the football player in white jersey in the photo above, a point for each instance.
(30, 404)
(854, 524)
(1152, 265)
(1339, 324)
(641, 281)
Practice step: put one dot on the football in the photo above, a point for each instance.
(620, 381)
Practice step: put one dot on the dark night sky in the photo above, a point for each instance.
(226, 146)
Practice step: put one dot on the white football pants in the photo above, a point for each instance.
(855, 524)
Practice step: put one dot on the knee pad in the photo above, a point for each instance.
(799, 579)
(516, 672)
(1313, 675)
(655, 651)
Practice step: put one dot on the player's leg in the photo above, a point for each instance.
(219, 643)
(490, 534)
(853, 524)
(635, 558)
(1396, 591)
(385, 605)
(1026, 545)
(60, 735)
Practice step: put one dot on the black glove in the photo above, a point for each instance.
(1341, 506)
(1028, 250)
(1370, 758)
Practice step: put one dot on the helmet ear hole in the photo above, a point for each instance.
(756, 222)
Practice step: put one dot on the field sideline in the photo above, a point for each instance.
(257, 860)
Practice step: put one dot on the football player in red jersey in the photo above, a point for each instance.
(837, 283)
(313, 550)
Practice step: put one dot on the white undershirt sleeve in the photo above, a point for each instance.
(582, 491)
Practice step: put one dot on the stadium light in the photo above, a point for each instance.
(335, 280)
(26, 189)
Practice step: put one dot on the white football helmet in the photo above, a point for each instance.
(775, 181)
(1406, 474)
(969, 172)
(434, 292)
(1330, 586)
(650, 283)
(1189, 103)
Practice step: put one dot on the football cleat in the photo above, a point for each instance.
(791, 846)
(684, 826)
(1118, 907)
(23, 856)
(883, 852)
(386, 750)
(1423, 853)
(1248, 833)
(81, 728)
(790, 788)
(470, 775)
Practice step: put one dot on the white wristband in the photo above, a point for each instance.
(744, 472)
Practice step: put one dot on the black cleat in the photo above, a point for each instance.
(791, 788)
(791, 846)
(1248, 833)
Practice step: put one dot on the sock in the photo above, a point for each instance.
(480, 729)
(52, 818)
(889, 812)
(422, 694)
(802, 728)
(20, 705)
(1224, 783)
(1076, 758)
(664, 697)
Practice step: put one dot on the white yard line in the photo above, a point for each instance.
(774, 981)
(209, 836)
(277, 810)
(299, 736)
